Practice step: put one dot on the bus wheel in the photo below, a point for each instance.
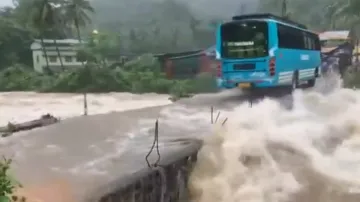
(317, 72)
(295, 82)
(311, 83)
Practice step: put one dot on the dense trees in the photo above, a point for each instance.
(170, 27)
(56, 19)
(320, 14)
(165, 26)
(151, 26)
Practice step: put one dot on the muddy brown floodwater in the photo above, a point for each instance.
(269, 152)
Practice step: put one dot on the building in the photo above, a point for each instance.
(185, 65)
(67, 49)
(332, 39)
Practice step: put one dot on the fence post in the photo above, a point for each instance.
(168, 68)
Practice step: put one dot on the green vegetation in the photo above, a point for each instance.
(320, 14)
(7, 183)
(167, 26)
(135, 77)
(352, 78)
(118, 15)
(47, 19)
(134, 27)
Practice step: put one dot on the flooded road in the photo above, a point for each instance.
(263, 153)
(25, 106)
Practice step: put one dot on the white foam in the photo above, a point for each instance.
(25, 106)
(255, 156)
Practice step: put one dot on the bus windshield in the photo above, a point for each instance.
(248, 39)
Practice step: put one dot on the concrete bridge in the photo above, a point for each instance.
(98, 157)
(102, 157)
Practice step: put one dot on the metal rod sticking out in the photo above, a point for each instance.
(217, 117)
(155, 144)
(212, 114)
(223, 123)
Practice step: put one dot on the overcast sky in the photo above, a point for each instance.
(5, 2)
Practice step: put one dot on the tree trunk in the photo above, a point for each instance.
(357, 51)
(45, 54)
(357, 31)
(59, 55)
(42, 39)
(85, 104)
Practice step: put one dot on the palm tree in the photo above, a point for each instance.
(331, 12)
(284, 8)
(351, 10)
(56, 26)
(41, 8)
(44, 19)
(76, 12)
(350, 7)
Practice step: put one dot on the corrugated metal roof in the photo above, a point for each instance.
(334, 35)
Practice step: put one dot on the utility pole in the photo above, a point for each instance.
(284, 9)
(242, 9)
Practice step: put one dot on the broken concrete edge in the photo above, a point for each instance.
(175, 98)
(124, 183)
(44, 120)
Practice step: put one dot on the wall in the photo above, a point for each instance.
(165, 183)
(66, 52)
(188, 66)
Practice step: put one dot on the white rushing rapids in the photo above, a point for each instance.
(26, 106)
(267, 153)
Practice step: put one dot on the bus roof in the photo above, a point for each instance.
(268, 16)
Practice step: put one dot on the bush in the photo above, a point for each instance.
(204, 83)
(181, 88)
(19, 78)
(351, 78)
(89, 79)
(142, 75)
(7, 183)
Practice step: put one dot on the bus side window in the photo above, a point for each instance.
(317, 43)
(290, 38)
(305, 39)
(312, 43)
(309, 41)
(284, 37)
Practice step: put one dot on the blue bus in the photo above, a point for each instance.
(264, 51)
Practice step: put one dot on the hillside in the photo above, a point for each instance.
(120, 12)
